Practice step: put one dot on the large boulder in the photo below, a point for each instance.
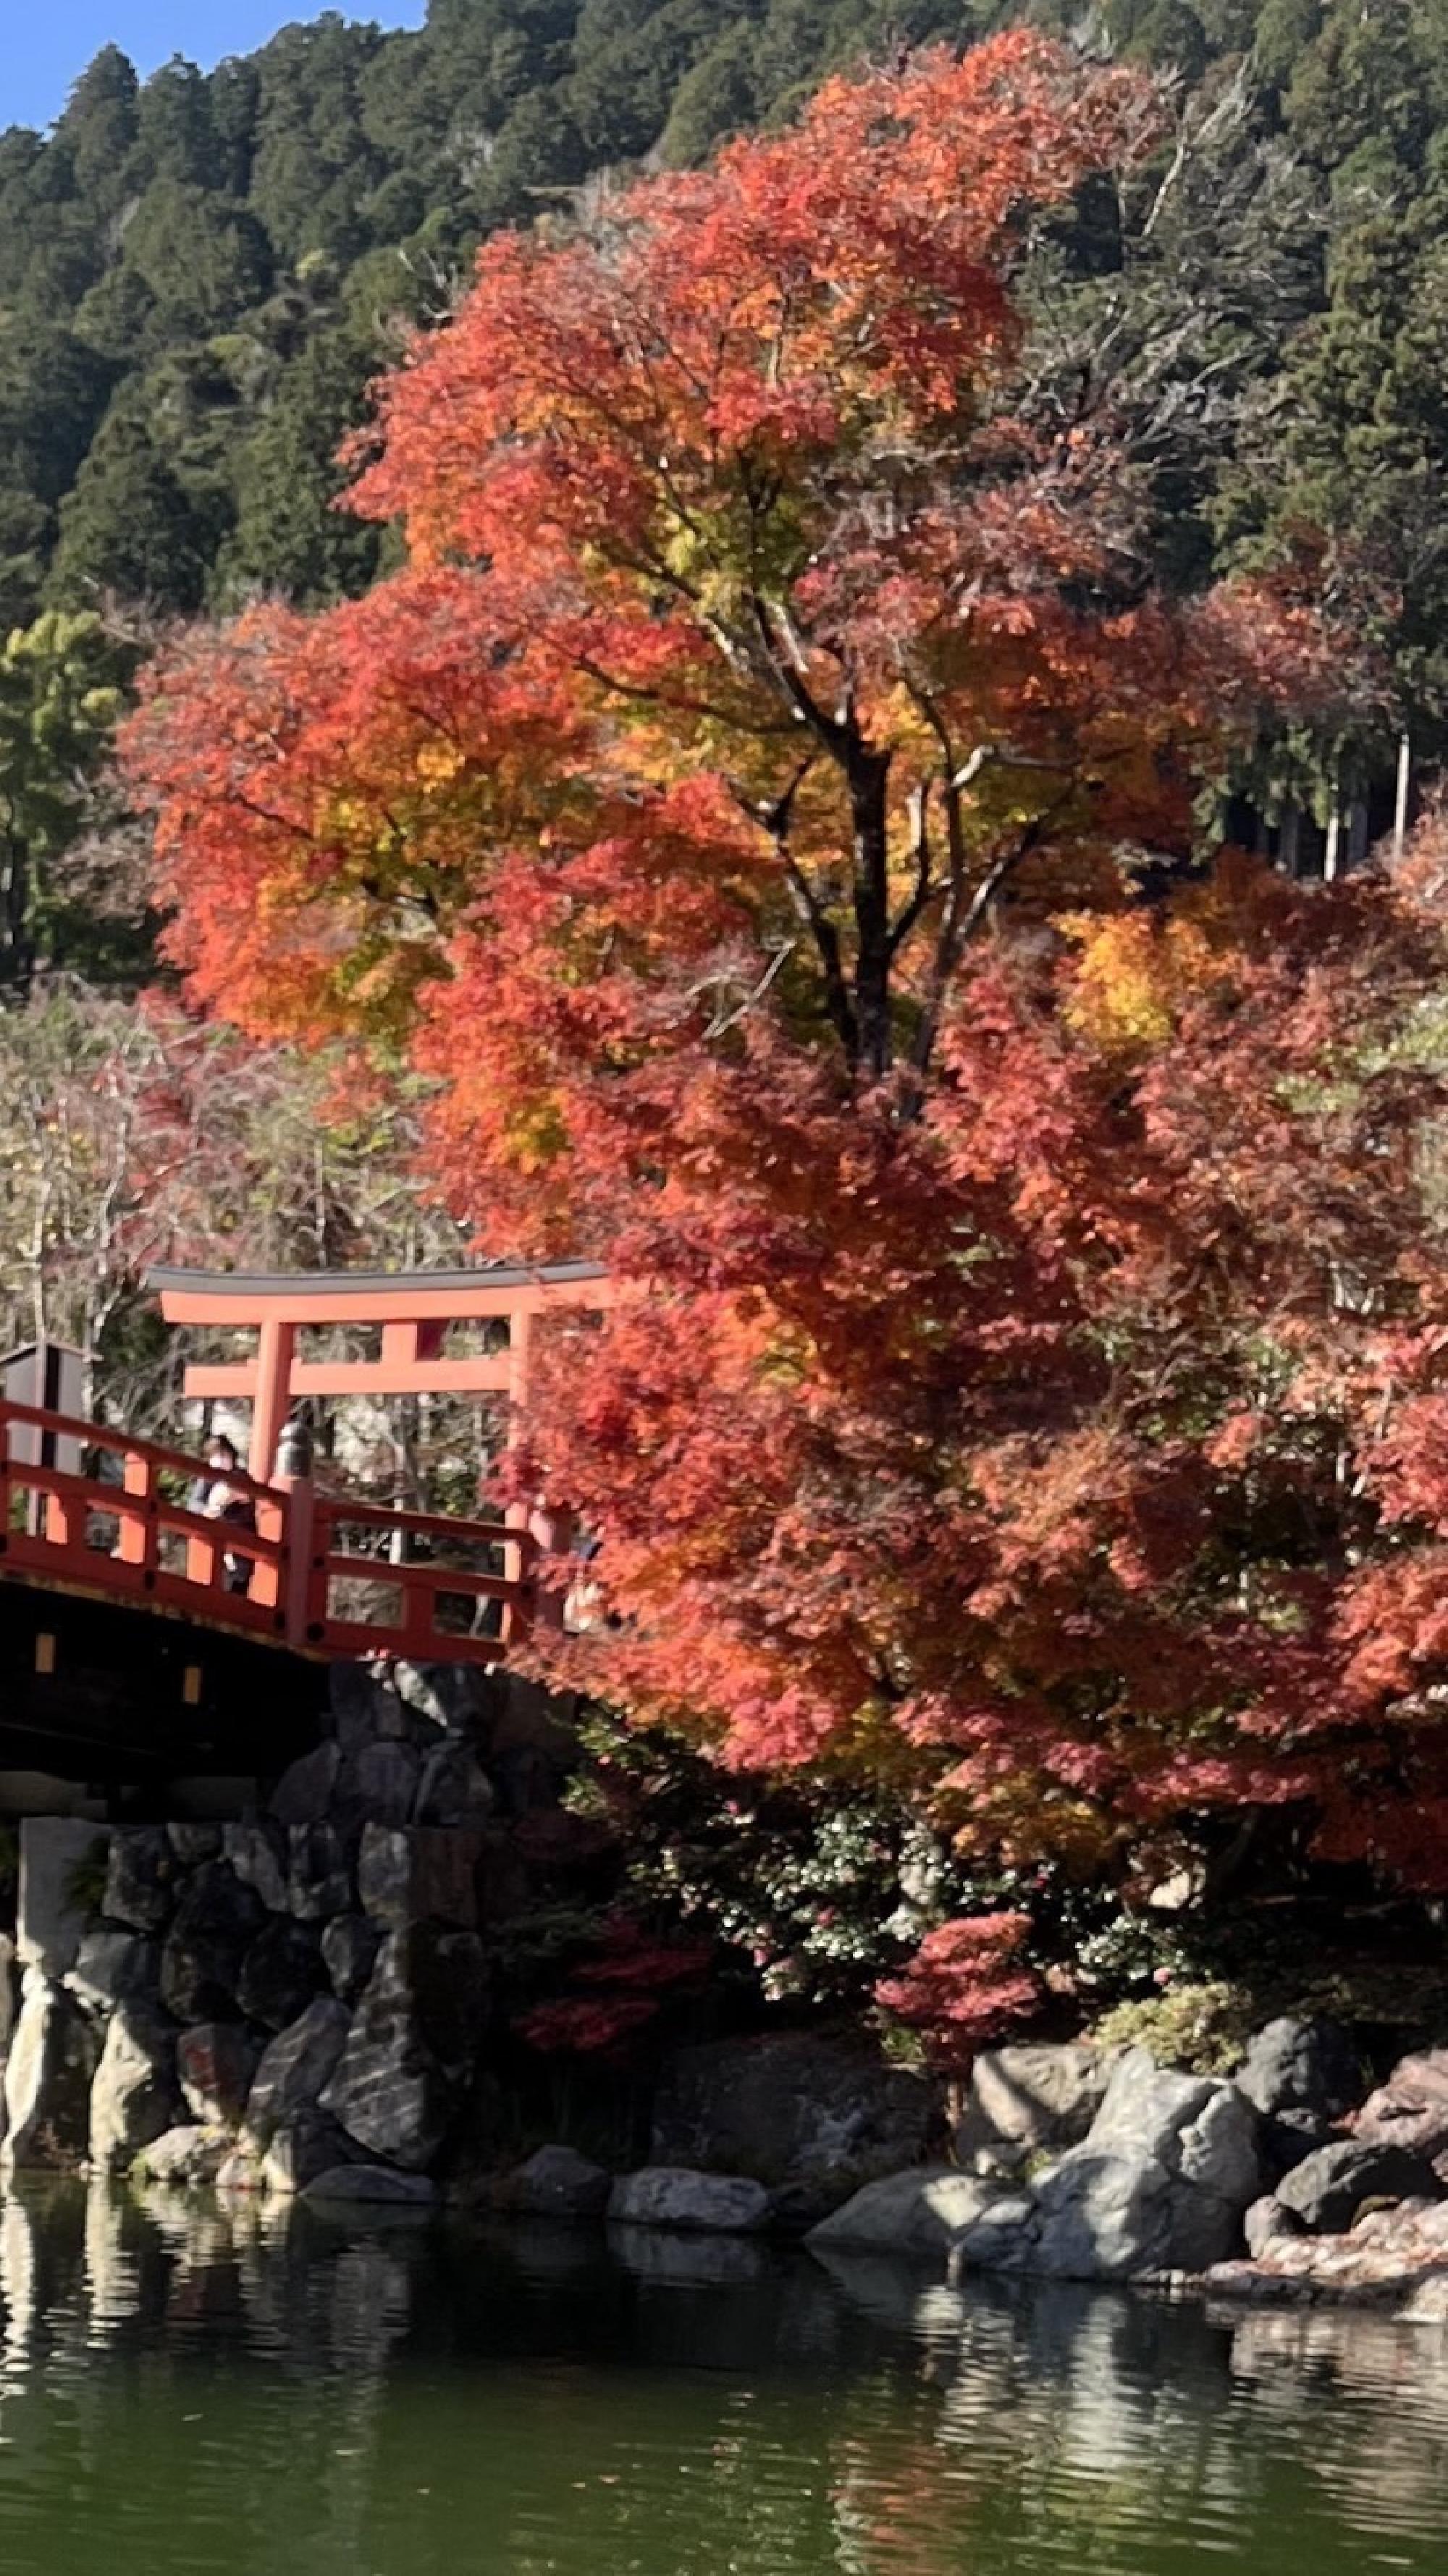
(193, 1843)
(376, 1784)
(184, 2158)
(1028, 2101)
(296, 2068)
(1411, 2109)
(52, 2059)
(114, 1967)
(301, 2147)
(375, 2186)
(9, 1996)
(453, 1788)
(672, 2196)
(556, 2182)
(350, 1943)
(303, 1795)
(216, 2062)
(280, 1973)
(1329, 2187)
(920, 2213)
(1158, 2184)
(1301, 2076)
(134, 2096)
(419, 1874)
(258, 1854)
(400, 2081)
(142, 1868)
(319, 1878)
(214, 1926)
(52, 1908)
(815, 2115)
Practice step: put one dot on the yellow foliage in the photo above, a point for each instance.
(1135, 971)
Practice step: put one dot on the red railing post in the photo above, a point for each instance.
(137, 1527)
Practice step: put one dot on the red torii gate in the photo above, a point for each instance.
(413, 1311)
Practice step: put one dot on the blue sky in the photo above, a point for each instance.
(47, 43)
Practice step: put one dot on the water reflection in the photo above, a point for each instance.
(188, 2389)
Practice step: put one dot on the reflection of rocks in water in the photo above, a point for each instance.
(694, 2262)
(894, 2294)
(370, 2306)
(1384, 2462)
(112, 2266)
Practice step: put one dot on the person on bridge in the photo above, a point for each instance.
(222, 1500)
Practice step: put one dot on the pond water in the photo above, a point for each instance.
(183, 2396)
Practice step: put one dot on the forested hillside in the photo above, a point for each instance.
(199, 275)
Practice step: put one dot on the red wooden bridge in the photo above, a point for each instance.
(325, 1574)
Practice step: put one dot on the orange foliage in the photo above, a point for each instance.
(1008, 1412)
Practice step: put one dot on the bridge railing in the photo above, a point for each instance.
(330, 1576)
(360, 1597)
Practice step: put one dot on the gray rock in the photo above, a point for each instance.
(1303, 2072)
(923, 2212)
(299, 2149)
(422, 1873)
(115, 1968)
(1027, 2101)
(50, 1917)
(451, 1696)
(134, 2096)
(453, 1788)
(52, 2059)
(240, 2171)
(259, 1856)
(9, 2000)
(1219, 2151)
(377, 1784)
(280, 1973)
(557, 2182)
(141, 1876)
(1329, 2187)
(795, 2110)
(294, 2071)
(184, 2158)
(192, 1844)
(319, 1880)
(214, 1926)
(350, 1943)
(398, 2085)
(1106, 2218)
(364, 1709)
(1158, 2184)
(378, 2185)
(1411, 2109)
(1002, 2239)
(1267, 2222)
(303, 1795)
(673, 2196)
(216, 2062)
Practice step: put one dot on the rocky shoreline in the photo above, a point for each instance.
(300, 2005)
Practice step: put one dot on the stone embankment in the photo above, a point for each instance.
(293, 2003)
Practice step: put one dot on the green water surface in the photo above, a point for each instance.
(183, 2395)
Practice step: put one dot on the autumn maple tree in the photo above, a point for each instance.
(765, 804)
